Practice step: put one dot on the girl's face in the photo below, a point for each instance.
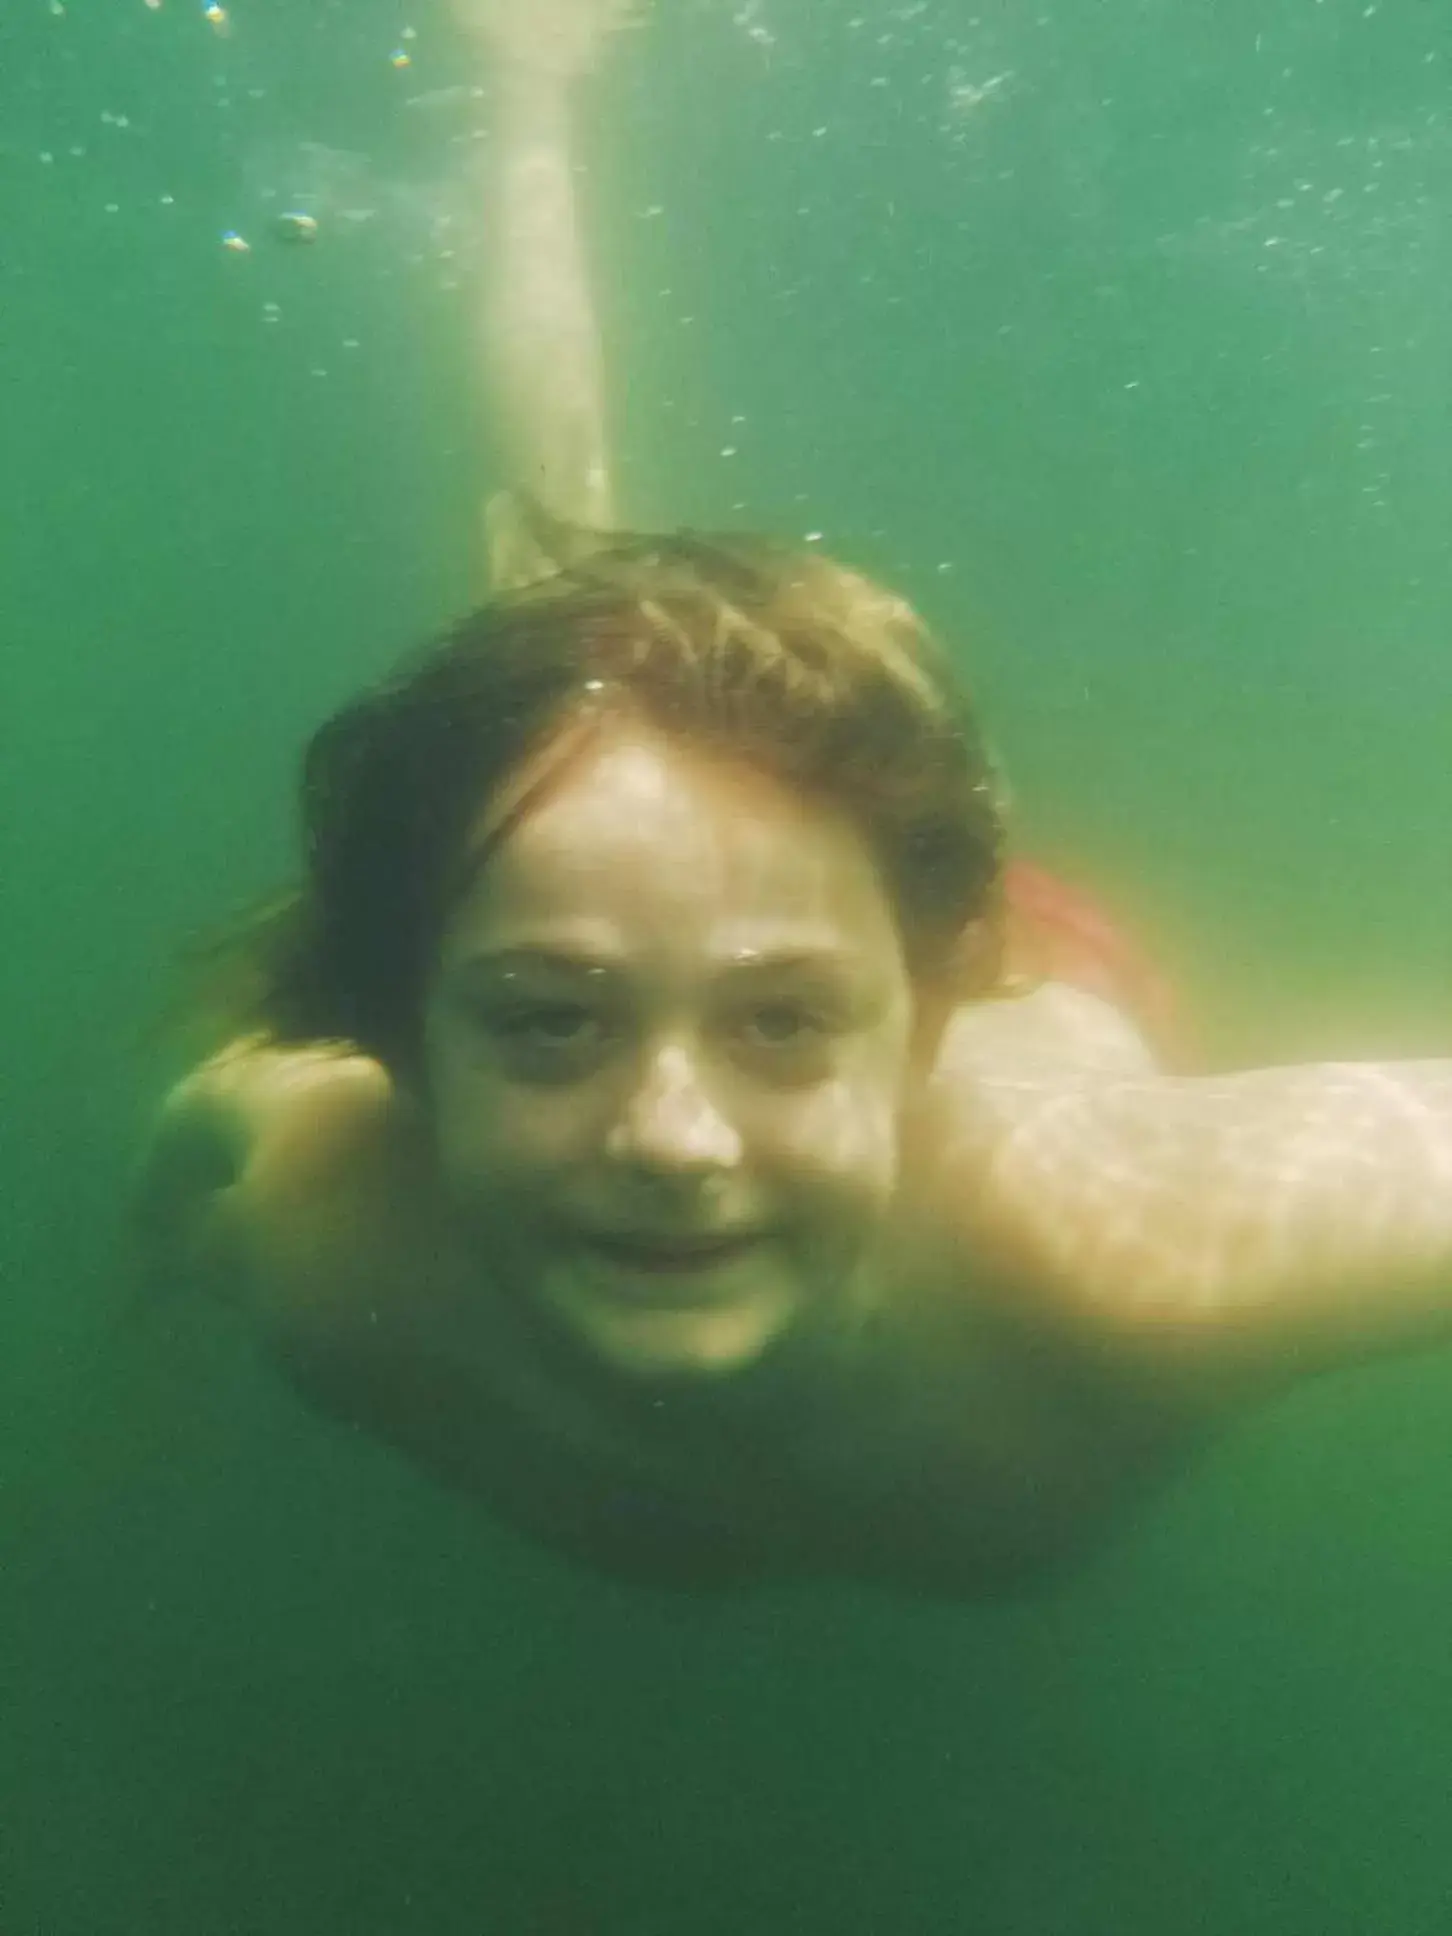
(666, 1048)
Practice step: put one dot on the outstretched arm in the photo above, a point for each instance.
(1243, 1230)
(540, 349)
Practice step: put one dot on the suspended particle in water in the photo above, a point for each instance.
(437, 98)
(964, 94)
(749, 19)
(295, 227)
(400, 57)
(346, 193)
(236, 244)
(217, 17)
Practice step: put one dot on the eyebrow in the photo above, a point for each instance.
(744, 962)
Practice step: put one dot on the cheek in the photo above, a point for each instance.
(845, 1149)
(497, 1147)
(467, 1112)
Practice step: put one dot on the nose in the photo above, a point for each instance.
(671, 1125)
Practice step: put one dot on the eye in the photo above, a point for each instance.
(783, 1024)
(789, 1041)
(546, 1024)
(547, 1038)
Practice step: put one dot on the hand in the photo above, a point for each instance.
(265, 1184)
(330, 1182)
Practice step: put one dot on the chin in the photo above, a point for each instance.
(682, 1343)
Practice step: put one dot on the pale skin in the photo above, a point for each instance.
(674, 1005)
(539, 339)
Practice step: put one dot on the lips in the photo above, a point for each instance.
(673, 1253)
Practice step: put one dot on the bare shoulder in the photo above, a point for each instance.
(1051, 1034)
(1069, 1166)
(1009, 1077)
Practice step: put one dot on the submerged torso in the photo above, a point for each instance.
(948, 1433)
(946, 1442)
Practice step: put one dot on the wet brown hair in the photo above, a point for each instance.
(782, 659)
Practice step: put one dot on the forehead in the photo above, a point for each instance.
(636, 828)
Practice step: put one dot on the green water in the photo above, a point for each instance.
(1117, 333)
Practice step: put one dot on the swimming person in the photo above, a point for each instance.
(636, 1116)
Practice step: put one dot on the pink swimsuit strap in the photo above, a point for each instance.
(1061, 933)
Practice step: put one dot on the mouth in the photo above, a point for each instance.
(679, 1303)
(674, 1256)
